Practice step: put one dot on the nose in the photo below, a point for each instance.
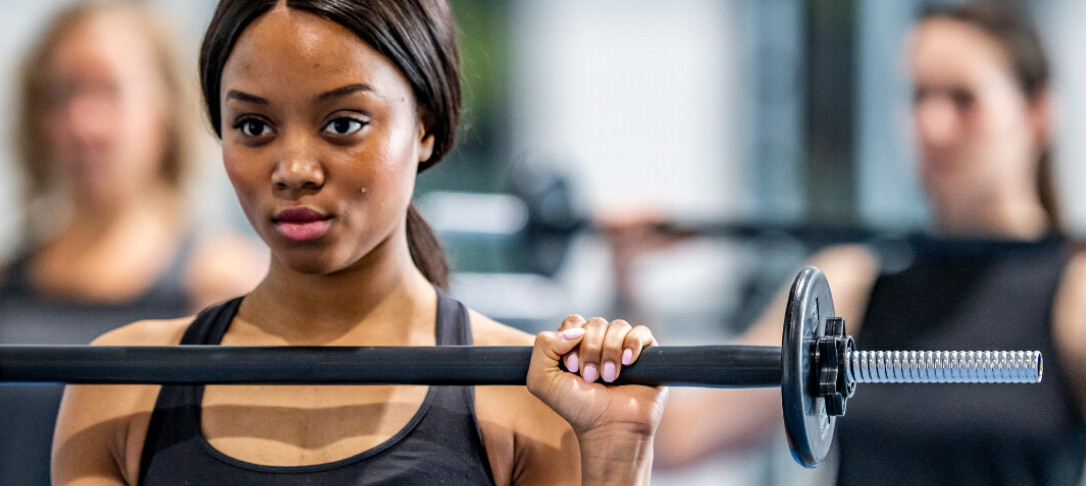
(88, 119)
(937, 121)
(297, 168)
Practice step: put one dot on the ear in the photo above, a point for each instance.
(1042, 117)
(426, 144)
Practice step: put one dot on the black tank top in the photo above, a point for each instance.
(441, 444)
(966, 434)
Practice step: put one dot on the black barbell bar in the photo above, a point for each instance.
(816, 366)
(723, 366)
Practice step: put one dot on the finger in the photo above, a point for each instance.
(611, 354)
(591, 344)
(635, 341)
(570, 322)
(549, 348)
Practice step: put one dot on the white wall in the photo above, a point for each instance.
(634, 96)
(1065, 38)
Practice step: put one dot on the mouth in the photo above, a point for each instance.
(301, 224)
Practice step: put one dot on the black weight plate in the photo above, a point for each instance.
(809, 427)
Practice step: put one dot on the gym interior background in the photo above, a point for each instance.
(753, 110)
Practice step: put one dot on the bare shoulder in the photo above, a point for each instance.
(224, 265)
(524, 437)
(1069, 314)
(488, 332)
(1069, 322)
(1075, 273)
(146, 333)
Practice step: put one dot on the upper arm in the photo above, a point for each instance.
(851, 271)
(100, 428)
(88, 445)
(527, 442)
(1069, 325)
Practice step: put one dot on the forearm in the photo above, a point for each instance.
(616, 456)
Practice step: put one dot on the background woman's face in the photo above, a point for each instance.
(318, 124)
(970, 117)
(104, 112)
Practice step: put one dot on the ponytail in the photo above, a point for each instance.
(426, 250)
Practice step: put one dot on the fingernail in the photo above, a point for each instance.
(609, 372)
(571, 362)
(590, 374)
(627, 357)
(573, 333)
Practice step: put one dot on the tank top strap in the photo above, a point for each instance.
(210, 324)
(453, 324)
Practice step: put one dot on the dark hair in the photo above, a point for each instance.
(418, 36)
(1014, 32)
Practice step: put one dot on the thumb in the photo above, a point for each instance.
(548, 350)
(550, 346)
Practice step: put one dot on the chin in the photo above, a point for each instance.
(310, 262)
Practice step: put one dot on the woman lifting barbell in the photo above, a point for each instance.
(327, 110)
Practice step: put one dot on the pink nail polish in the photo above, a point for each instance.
(571, 362)
(609, 372)
(627, 357)
(572, 333)
(590, 373)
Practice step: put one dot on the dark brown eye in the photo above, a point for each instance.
(343, 126)
(252, 127)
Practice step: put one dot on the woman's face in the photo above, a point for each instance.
(103, 119)
(977, 133)
(321, 140)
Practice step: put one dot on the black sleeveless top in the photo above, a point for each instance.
(442, 443)
(28, 413)
(966, 434)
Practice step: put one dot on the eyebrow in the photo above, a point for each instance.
(242, 96)
(335, 93)
(344, 91)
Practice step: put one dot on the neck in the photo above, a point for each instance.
(380, 300)
(1011, 219)
(91, 222)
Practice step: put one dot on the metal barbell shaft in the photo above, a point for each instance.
(945, 366)
(723, 366)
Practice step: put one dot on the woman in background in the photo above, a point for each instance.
(981, 115)
(104, 138)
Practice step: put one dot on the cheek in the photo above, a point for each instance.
(141, 135)
(243, 179)
(394, 166)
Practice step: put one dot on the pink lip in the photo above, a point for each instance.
(301, 224)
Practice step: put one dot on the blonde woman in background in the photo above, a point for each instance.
(104, 136)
